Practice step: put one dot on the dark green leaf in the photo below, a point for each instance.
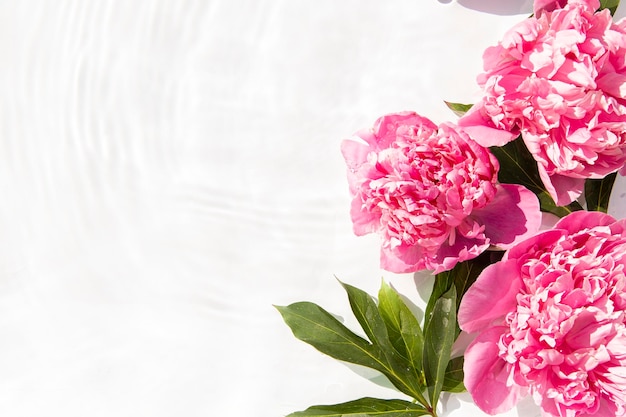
(453, 379)
(403, 328)
(439, 335)
(461, 276)
(366, 312)
(401, 372)
(315, 326)
(598, 193)
(517, 166)
(365, 407)
(609, 4)
(458, 108)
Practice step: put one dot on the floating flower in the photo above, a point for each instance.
(559, 80)
(431, 193)
(551, 321)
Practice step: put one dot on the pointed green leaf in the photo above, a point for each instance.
(315, 326)
(366, 312)
(453, 379)
(609, 4)
(403, 327)
(517, 166)
(439, 335)
(365, 407)
(598, 193)
(458, 108)
(461, 276)
(398, 370)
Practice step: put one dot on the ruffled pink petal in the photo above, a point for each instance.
(541, 6)
(562, 189)
(355, 153)
(512, 216)
(583, 219)
(486, 374)
(363, 221)
(542, 239)
(463, 249)
(387, 128)
(481, 131)
(491, 297)
(402, 260)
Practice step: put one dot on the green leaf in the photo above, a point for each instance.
(458, 108)
(609, 4)
(315, 326)
(366, 312)
(403, 327)
(462, 276)
(365, 407)
(598, 193)
(400, 371)
(517, 166)
(453, 379)
(439, 335)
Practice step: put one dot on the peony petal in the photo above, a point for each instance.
(562, 189)
(355, 153)
(486, 374)
(480, 129)
(541, 6)
(363, 221)
(512, 216)
(402, 259)
(491, 297)
(540, 240)
(579, 220)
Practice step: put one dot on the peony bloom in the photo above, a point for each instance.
(559, 80)
(431, 193)
(551, 321)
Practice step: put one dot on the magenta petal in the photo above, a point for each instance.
(355, 153)
(486, 374)
(481, 131)
(562, 189)
(542, 239)
(512, 216)
(463, 249)
(583, 219)
(363, 221)
(491, 297)
(402, 259)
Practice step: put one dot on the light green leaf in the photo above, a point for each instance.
(439, 335)
(517, 166)
(403, 327)
(453, 379)
(458, 108)
(609, 4)
(598, 193)
(365, 407)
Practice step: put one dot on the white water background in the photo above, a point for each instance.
(170, 169)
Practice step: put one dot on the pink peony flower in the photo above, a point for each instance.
(559, 80)
(431, 193)
(551, 321)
